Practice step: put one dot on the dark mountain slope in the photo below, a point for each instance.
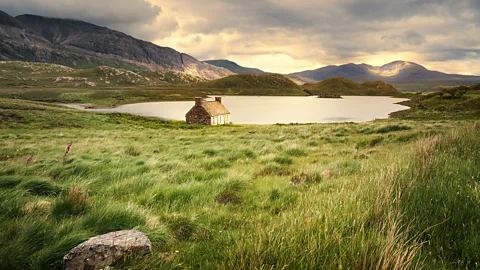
(234, 67)
(80, 44)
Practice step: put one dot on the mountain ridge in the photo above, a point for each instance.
(397, 72)
(80, 44)
(234, 67)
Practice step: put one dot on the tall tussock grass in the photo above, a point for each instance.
(422, 215)
(333, 196)
(440, 197)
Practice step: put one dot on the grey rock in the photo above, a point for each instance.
(104, 250)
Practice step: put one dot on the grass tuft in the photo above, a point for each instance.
(42, 187)
(133, 151)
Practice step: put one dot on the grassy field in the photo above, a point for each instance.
(436, 106)
(390, 194)
(119, 96)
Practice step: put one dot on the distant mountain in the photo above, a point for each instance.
(300, 80)
(234, 67)
(344, 86)
(80, 44)
(398, 72)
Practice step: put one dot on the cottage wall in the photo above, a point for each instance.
(198, 115)
(220, 120)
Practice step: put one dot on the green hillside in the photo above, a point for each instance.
(452, 103)
(243, 81)
(344, 86)
(234, 67)
(29, 75)
(251, 84)
(381, 87)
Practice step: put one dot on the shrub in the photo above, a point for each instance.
(274, 194)
(132, 151)
(210, 152)
(40, 187)
(392, 128)
(283, 160)
(349, 167)
(178, 197)
(75, 203)
(199, 175)
(296, 152)
(105, 219)
(369, 143)
(219, 163)
(242, 154)
(313, 143)
(228, 197)
(182, 228)
(275, 169)
(10, 181)
(306, 178)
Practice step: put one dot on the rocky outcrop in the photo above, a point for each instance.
(105, 250)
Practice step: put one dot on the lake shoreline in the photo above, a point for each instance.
(270, 110)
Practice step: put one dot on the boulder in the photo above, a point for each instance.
(104, 250)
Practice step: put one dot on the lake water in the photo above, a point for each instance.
(272, 110)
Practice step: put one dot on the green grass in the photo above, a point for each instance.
(387, 194)
(106, 86)
(435, 107)
(346, 87)
(26, 75)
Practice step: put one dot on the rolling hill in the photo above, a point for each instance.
(251, 84)
(79, 44)
(18, 74)
(346, 87)
(234, 67)
(400, 73)
(249, 81)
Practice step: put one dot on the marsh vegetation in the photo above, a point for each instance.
(388, 194)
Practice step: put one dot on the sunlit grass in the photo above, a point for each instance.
(240, 197)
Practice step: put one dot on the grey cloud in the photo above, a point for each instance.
(132, 16)
(348, 28)
(409, 37)
(442, 55)
(323, 30)
(103, 12)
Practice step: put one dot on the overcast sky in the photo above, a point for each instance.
(291, 35)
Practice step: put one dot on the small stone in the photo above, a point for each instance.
(105, 250)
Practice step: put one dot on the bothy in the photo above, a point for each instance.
(208, 113)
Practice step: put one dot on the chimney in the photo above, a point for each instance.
(219, 99)
(198, 101)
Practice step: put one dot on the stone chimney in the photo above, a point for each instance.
(219, 99)
(198, 101)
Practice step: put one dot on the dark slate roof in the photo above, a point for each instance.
(214, 108)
